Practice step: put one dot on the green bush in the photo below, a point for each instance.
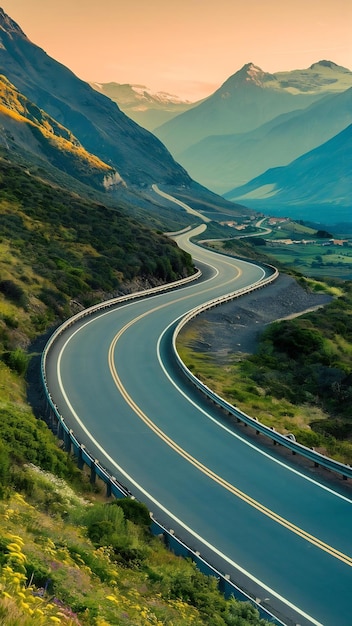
(135, 511)
(28, 440)
(17, 360)
(295, 339)
(38, 573)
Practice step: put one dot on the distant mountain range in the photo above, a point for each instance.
(250, 98)
(226, 161)
(142, 105)
(256, 121)
(317, 186)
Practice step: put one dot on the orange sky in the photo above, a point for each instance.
(186, 47)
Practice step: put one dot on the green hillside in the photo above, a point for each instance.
(25, 125)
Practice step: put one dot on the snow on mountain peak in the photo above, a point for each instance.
(250, 74)
(159, 96)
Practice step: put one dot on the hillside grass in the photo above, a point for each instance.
(58, 568)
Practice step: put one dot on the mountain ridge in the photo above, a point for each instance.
(319, 181)
(250, 98)
(101, 127)
(11, 25)
(24, 125)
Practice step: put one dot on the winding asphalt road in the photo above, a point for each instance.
(279, 533)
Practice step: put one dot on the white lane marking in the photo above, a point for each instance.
(161, 506)
(231, 432)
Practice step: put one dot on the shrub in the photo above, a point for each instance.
(295, 340)
(135, 511)
(13, 292)
(17, 360)
(29, 440)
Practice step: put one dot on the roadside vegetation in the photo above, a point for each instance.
(75, 559)
(300, 378)
(67, 554)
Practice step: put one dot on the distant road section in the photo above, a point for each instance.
(187, 208)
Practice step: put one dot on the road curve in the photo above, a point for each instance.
(280, 534)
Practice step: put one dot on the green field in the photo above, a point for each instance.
(314, 259)
(312, 254)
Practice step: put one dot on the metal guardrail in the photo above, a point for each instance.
(287, 441)
(107, 304)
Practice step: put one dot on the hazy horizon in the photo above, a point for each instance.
(188, 49)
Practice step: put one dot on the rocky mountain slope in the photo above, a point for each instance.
(27, 129)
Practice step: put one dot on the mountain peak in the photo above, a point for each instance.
(323, 63)
(250, 70)
(250, 75)
(249, 67)
(8, 25)
(329, 65)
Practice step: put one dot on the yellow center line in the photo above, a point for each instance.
(200, 466)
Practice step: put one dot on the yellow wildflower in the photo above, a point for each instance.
(16, 538)
(112, 599)
(38, 611)
(14, 547)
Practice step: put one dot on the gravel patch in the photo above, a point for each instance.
(235, 327)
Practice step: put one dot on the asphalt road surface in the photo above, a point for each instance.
(281, 535)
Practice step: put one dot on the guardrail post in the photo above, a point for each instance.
(108, 489)
(80, 461)
(67, 440)
(60, 430)
(93, 471)
(53, 422)
(222, 584)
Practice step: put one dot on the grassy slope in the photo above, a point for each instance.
(57, 250)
